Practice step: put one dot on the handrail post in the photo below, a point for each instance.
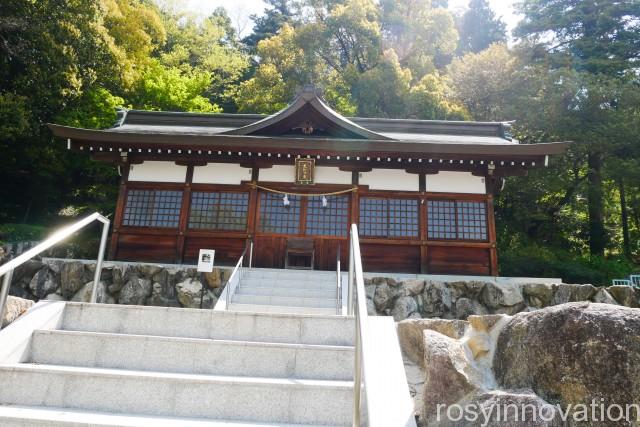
(338, 284)
(357, 376)
(350, 278)
(98, 272)
(4, 292)
(250, 254)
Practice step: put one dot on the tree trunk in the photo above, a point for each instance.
(597, 236)
(624, 218)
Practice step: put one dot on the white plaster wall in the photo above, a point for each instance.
(221, 173)
(278, 173)
(456, 182)
(158, 172)
(329, 175)
(390, 179)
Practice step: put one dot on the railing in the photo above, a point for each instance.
(237, 274)
(7, 269)
(357, 300)
(338, 284)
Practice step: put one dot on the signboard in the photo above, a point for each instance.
(205, 260)
(304, 171)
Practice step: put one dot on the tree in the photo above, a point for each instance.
(479, 27)
(418, 31)
(485, 82)
(276, 15)
(588, 35)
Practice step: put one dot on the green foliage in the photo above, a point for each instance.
(21, 232)
(479, 28)
(276, 15)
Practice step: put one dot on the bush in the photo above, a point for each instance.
(10, 233)
(535, 261)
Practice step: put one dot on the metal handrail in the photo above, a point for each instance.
(357, 299)
(237, 273)
(338, 284)
(7, 269)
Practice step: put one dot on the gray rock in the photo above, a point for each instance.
(411, 335)
(135, 291)
(501, 295)
(403, 308)
(624, 295)
(43, 282)
(121, 274)
(603, 297)
(412, 287)
(384, 297)
(466, 307)
(562, 293)
(572, 353)
(71, 278)
(163, 295)
(538, 294)
(436, 300)
(189, 292)
(84, 294)
(149, 270)
(583, 292)
(54, 297)
(14, 308)
(532, 411)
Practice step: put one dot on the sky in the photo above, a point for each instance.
(240, 10)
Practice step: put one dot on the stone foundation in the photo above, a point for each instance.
(416, 299)
(120, 283)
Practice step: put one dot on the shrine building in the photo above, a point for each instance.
(421, 191)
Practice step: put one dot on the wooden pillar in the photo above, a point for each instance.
(493, 251)
(252, 214)
(120, 205)
(422, 222)
(184, 215)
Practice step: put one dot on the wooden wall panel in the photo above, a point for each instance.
(458, 260)
(390, 258)
(147, 247)
(268, 251)
(228, 250)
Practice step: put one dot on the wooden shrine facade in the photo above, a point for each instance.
(421, 191)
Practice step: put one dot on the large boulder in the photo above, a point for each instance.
(538, 295)
(14, 308)
(572, 353)
(436, 300)
(43, 282)
(411, 334)
(135, 291)
(498, 408)
(449, 376)
(405, 308)
(190, 293)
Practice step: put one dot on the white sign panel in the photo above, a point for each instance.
(205, 260)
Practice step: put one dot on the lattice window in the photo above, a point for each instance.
(275, 217)
(389, 217)
(330, 220)
(472, 220)
(450, 219)
(152, 208)
(403, 218)
(219, 211)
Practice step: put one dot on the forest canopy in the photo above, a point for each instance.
(570, 71)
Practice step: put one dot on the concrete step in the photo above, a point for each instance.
(191, 355)
(256, 289)
(288, 284)
(221, 325)
(269, 400)
(282, 273)
(256, 308)
(36, 416)
(284, 301)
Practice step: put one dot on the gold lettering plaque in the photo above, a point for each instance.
(304, 171)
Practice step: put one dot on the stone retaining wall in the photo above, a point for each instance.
(415, 299)
(181, 286)
(121, 283)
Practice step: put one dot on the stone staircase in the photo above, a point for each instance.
(287, 291)
(113, 365)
